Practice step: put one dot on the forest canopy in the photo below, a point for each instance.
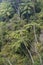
(21, 32)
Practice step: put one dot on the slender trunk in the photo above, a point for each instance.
(8, 61)
(29, 53)
(36, 41)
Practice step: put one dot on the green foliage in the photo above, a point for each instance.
(6, 10)
(26, 10)
(17, 32)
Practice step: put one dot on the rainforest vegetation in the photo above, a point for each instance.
(21, 32)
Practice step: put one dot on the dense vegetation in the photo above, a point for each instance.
(21, 22)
